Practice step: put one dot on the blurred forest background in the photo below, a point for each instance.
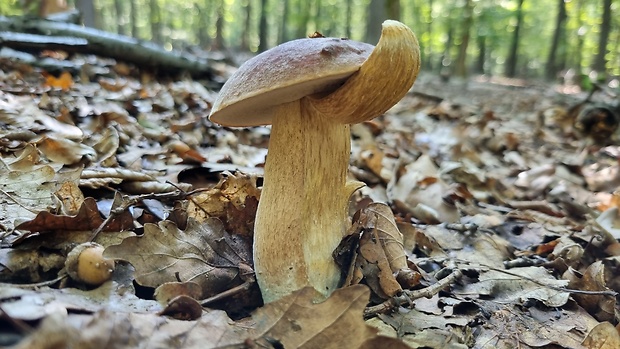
(576, 41)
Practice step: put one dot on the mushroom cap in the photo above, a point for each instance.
(286, 73)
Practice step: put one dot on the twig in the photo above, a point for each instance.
(39, 284)
(244, 286)
(407, 296)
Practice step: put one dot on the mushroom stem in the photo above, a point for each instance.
(302, 213)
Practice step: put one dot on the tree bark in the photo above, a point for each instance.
(134, 18)
(247, 21)
(155, 21)
(600, 62)
(461, 67)
(120, 25)
(376, 15)
(511, 62)
(559, 34)
(283, 35)
(262, 29)
(218, 43)
(87, 9)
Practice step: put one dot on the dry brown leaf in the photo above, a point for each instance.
(295, 321)
(109, 329)
(602, 307)
(64, 81)
(517, 288)
(204, 253)
(87, 218)
(65, 151)
(417, 189)
(233, 200)
(379, 258)
(169, 290)
(603, 336)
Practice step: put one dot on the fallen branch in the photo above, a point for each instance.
(98, 42)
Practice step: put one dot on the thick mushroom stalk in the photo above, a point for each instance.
(302, 213)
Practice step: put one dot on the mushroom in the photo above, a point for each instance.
(311, 90)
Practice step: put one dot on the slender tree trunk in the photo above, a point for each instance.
(429, 43)
(348, 13)
(376, 15)
(247, 21)
(218, 43)
(283, 35)
(392, 9)
(155, 21)
(511, 62)
(120, 21)
(304, 12)
(481, 40)
(262, 30)
(87, 9)
(134, 18)
(600, 62)
(578, 60)
(559, 34)
(203, 12)
(461, 66)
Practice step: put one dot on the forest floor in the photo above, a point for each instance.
(507, 202)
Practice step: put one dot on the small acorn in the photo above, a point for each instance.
(86, 264)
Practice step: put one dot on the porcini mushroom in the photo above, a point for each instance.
(311, 90)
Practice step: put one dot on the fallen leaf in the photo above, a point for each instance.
(203, 253)
(295, 321)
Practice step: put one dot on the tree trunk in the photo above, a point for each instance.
(511, 62)
(347, 22)
(481, 40)
(429, 29)
(283, 35)
(134, 18)
(376, 15)
(204, 12)
(559, 35)
(304, 13)
(120, 25)
(600, 62)
(155, 21)
(218, 43)
(247, 22)
(392, 9)
(87, 9)
(461, 67)
(262, 30)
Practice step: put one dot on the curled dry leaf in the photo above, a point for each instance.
(65, 151)
(169, 290)
(380, 257)
(182, 308)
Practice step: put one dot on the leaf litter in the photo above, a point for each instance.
(489, 219)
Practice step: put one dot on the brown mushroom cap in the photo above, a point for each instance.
(284, 74)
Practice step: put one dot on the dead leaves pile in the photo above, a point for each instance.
(502, 229)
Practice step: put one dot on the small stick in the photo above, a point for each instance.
(407, 296)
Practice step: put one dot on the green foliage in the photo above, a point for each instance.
(11, 8)
(437, 23)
